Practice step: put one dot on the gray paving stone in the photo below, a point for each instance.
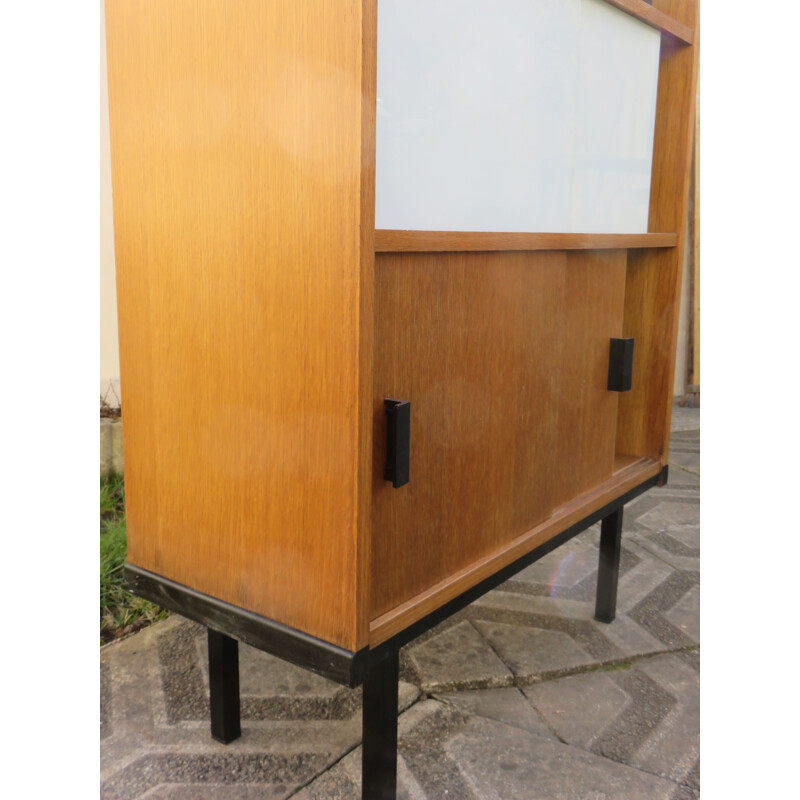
(605, 643)
(458, 658)
(424, 731)
(531, 651)
(504, 763)
(343, 782)
(679, 520)
(680, 478)
(514, 603)
(630, 638)
(105, 700)
(579, 707)
(649, 704)
(508, 706)
(335, 784)
(685, 614)
(673, 748)
(651, 610)
(685, 419)
(667, 528)
(638, 583)
(273, 773)
(686, 460)
(689, 436)
(151, 750)
(189, 791)
(261, 674)
(564, 567)
(669, 549)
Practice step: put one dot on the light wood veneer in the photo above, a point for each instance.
(263, 320)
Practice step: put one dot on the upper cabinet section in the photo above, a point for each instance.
(514, 115)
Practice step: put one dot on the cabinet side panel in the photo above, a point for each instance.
(653, 287)
(236, 159)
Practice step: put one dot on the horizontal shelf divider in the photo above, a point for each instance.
(655, 19)
(387, 241)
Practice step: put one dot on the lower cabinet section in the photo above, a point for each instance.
(503, 357)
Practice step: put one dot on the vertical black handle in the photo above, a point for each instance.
(620, 365)
(398, 433)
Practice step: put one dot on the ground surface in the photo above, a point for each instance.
(521, 696)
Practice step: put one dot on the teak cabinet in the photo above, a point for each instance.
(335, 435)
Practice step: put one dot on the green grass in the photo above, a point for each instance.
(120, 611)
(112, 498)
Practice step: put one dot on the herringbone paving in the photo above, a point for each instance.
(521, 695)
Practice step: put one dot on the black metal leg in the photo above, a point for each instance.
(379, 724)
(223, 680)
(608, 569)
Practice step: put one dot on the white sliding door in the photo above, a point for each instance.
(514, 115)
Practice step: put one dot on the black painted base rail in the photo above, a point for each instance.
(378, 668)
(326, 659)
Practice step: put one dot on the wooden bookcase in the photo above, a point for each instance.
(264, 320)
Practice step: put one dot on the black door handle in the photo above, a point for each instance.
(620, 365)
(398, 434)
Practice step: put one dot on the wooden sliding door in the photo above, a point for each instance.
(504, 359)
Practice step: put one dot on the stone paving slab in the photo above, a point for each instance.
(520, 695)
(477, 663)
(509, 706)
(503, 763)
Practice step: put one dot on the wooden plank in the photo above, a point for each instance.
(236, 141)
(651, 15)
(387, 625)
(695, 373)
(391, 241)
(623, 462)
(366, 327)
(448, 340)
(504, 359)
(654, 276)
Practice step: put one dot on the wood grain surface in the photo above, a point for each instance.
(694, 376)
(652, 295)
(388, 241)
(654, 16)
(592, 313)
(504, 359)
(366, 327)
(241, 215)
(387, 625)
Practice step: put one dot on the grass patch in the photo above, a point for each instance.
(112, 499)
(120, 612)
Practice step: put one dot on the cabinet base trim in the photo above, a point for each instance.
(301, 649)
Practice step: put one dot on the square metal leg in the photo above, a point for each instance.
(379, 723)
(223, 680)
(608, 569)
